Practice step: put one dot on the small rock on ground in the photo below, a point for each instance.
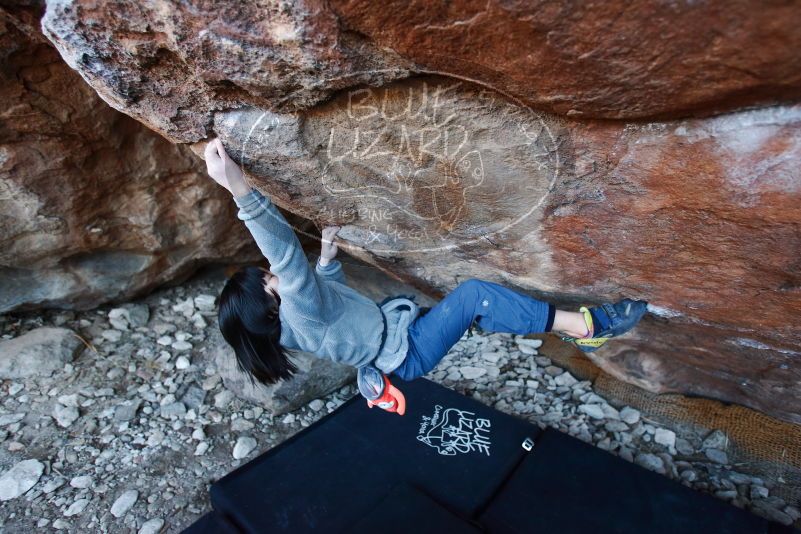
(76, 508)
(244, 446)
(630, 416)
(471, 373)
(593, 410)
(152, 526)
(124, 503)
(717, 456)
(665, 437)
(651, 462)
(81, 482)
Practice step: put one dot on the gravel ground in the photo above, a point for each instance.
(129, 435)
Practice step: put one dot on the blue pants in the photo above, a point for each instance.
(494, 307)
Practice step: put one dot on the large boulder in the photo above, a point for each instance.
(93, 205)
(39, 352)
(20, 478)
(438, 179)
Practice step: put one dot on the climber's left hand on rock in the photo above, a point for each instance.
(224, 170)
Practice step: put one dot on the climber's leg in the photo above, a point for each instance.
(494, 307)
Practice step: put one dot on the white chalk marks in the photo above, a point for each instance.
(414, 146)
(416, 166)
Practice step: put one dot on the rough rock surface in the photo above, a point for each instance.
(172, 65)
(93, 206)
(177, 63)
(619, 59)
(438, 180)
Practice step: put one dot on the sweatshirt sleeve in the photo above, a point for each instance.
(332, 271)
(299, 289)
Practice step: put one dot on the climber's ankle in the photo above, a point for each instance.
(571, 324)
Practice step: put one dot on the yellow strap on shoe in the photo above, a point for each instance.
(587, 319)
(589, 341)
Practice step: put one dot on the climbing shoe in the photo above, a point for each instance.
(607, 321)
(377, 389)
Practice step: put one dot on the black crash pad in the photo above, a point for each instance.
(210, 523)
(570, 487)
(455, 465)
(401, 511)
(457, 450)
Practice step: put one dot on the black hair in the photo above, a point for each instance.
(248, 317)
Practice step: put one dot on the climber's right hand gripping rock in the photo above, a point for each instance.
(377, 389)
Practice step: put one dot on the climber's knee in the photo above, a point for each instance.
(470, 294)
(471, 285)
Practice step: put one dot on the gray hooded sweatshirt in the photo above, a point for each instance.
(318, 312)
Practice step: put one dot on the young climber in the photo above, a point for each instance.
(264, 312)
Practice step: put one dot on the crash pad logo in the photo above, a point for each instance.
(452, 431)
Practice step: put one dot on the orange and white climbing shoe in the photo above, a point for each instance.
(379, 391)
